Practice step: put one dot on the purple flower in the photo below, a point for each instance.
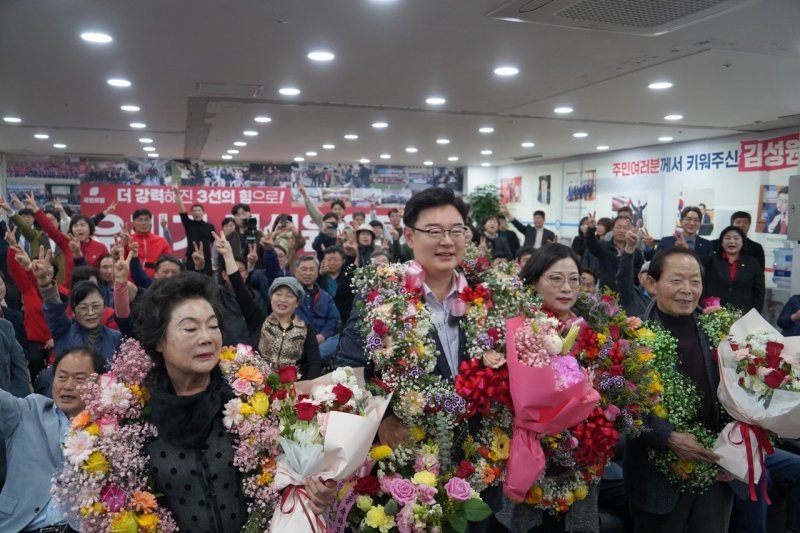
(415, 373)
(458, 489)
(373, 341)
(403, 491)
(484, 341)
(427, 495)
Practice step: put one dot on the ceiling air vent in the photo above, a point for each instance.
(635, 17)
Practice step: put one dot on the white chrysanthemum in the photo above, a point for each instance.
(79, 447)
(116, 395)
(307, 434)
(231, 414)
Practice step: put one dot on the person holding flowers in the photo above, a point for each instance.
(671, 480)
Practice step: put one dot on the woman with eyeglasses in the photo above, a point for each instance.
(555, 273)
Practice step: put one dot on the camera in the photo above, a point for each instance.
(250, 230)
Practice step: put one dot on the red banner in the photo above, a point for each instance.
(770, 154)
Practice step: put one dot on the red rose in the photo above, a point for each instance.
(465, 469)
(281, 394)
(774, 350)
(775, 379)
(751, 369)
(306, 410)
(367, 485)
(342, 393)
(380, 328)
(287, 374)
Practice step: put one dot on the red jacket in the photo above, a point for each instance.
(151, 247)
(92, 250)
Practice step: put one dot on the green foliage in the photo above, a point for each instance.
(484, 201)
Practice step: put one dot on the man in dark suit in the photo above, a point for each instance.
(742, 220)
(675, 282)
(535, 236)
(608, 253)
(686, 237)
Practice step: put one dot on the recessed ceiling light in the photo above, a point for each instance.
(665, 139)
(660, 85)
(380, 125)
(233, 151)
(321, 55)
(145, 140)
(427, 163)
(149, 148)
(580, 134)
(12, 120)
(363, 160)
(138, 125)
(435, 100)
(59, 145)
(328, 146)
(263, 119)
(351, 136)
(603, 147)
(486, 129)
(250, 133)
(152, 154)
(226, 156)
(386, 156)
(453, 158)
(673, 117)
(118, 82)
(486, 152)
(41, 136)
(442, 141)
(299, 159)
(130, 108)
(506, 71)
(412, 150)
(96, 37)
(311, 154)
(289, 91)
(485, 164)
(563, 110)
(240, 143)
(528, 144)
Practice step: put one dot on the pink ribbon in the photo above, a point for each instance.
(298, 495)
(763, 447)
(415, 276)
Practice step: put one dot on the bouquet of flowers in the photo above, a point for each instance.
(759, 387)
(717, 320)
(327, 428)
(562, 397)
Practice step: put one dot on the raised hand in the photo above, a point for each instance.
(301, 187)
(134, 247)
(647, 239)
(30, 201)
(163, 221)
(198, 256)
(11, 239)
(631, 239)
(591, 220)
(506, 213)
(393, 233)
(43, 267)
(267, 240)
(223, 246)
(252, 255)
(5, 207)
(680, 241)
(74, 245)
(16, 202)
(124, 237)
(21, 257)
(110, 209)
(122, 269)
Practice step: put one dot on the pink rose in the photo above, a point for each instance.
(634, 322)
(107, 423)
(107, 379)
(403, 491)
(458, 307)
(458, 489)
(415, 276)
(612, 412)
(492, 359)
(426, 494)
(387, 481)
(242, 386)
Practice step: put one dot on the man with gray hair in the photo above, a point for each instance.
(317, 308)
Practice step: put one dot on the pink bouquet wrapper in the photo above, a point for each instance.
(539, 408)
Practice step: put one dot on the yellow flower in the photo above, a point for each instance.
(660, 411)
(93, 429)
(645, 355)
(569, 498)
(148, 522)
(378, 519)
(601, 338)
(124, 523)
(500, 445)
(344, 490)
(228, 353)
(570, 338)
(534, 496)
(683, 468)
(260, 403)
(581, 492)
(246, 409)
(655, 384)
(417, 433)
(140, 392)
(265, 478)
(95, 508)
(364, 502)
(96, 463)
(644, 334)
(380, 452)
(424, 478)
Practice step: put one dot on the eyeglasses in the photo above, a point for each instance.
(85, 309)
(694, 220)
(558, 280)
(456, 233)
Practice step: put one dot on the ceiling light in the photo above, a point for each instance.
(59, 145)
(485, 164)
(486, 129)
(149, 148)
(528, 144)
(386, 156)
(435, 100)
(311, 154)
(289, 91)
(665, 139)
(363, 160)
(321, 55)
(96, 37)
(12, 120)
(328, 146)
(411, 150)
(380, 125)
(506, 71)
(453, 158)
(442, 141)
(563, 110)
(41, 136)
(250, 133)
(660, 85)
(263, 120)
(118, 82)
(603, 147)
(233, 151)
(145, 140)
(138, 125)
(226, 156)
(580, 134)
(240, 143)
(486, 152)
(299, 159)
(673, 117)
(427, 163)
(130, 108)
(152, 154)
(351, 136)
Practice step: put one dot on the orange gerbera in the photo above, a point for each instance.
(488, 475)
(144, 502)
(82, 420)
(250, 374)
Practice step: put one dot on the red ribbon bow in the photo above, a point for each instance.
(294, 495)
(763, 448)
